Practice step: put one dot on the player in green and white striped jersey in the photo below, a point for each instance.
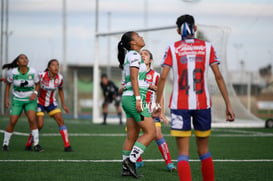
(25, 83)
(133, 102)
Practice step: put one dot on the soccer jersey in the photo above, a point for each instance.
(190, 60)
(109, 90)
(48, 88)
(133, 59)
(23, 84)
(152, 79)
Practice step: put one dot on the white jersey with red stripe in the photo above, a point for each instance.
(48, 88)
(152, 78)
(190, 60)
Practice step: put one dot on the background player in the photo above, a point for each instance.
(25, 82)
(50, 81)
(110, 93)
(133, 99)
(190, 58)
(152, 78)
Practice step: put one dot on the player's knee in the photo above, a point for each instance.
(151, 132)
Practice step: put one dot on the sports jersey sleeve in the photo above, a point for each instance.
(167, 59)
(156, 78)
(36, 76)
(41, 75)
(9, 76)
(213, 58)
(134, 59)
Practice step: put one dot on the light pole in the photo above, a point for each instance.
(96, 68)
(108, 66)
(1, 56)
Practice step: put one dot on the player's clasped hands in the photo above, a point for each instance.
(156, 112)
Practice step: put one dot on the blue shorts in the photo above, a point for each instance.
(181, 122)
(52, 109)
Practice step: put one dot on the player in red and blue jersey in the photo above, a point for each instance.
(190, 59)
(152, 78)
(50, 81)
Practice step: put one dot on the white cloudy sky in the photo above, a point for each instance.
(36, 28)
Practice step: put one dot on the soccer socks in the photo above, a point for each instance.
(125, 154)
(137, 150)
(29, 140)
(104, 117)
(139, 159)
(207, 167)
(64, 133)
(183, 167)
(120, 117)
(35, 136)
(164, 150)
(7, 136)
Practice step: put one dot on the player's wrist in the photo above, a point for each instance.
(138, 98)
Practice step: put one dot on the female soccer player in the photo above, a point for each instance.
(152, 78)
(190, 59)
(25, 82)
(50, 81)
(133, 101)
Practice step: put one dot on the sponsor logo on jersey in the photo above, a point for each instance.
(30, 77)
(148, 77)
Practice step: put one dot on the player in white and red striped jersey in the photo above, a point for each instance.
(190, 60)
(48, 89)
(50, 81)
(152, 78)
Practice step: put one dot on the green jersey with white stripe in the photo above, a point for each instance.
(133, 59)
(23, 84)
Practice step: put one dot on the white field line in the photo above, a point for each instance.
(112, 161)
(243, 134)
(241, 131)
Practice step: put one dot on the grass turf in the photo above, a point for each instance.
(239, 154)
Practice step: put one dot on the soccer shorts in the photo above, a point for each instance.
(181, 122)
(52, 109)
(157, 122)
(109, 99)
(20, 104)
(129, 106)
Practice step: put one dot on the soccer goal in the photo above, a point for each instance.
(157, 39)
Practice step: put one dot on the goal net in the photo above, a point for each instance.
(157, 39)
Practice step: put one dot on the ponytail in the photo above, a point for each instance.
(186, 30)
(13, 64)
(124, 46)
(121, 55)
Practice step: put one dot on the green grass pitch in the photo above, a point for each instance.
(238, 154)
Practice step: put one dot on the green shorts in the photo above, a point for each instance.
(20, 104)
(129, 106)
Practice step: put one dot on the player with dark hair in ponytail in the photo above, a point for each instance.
(25, 82)
(190, 59)
(133, 102)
